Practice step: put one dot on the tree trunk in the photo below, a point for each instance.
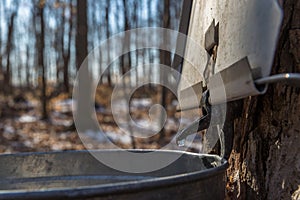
(81, 35)
(27, 70)
(126, 58)
(135, 20)
(41, 62)
(165, 59)
(125, 62)
(150, 53)
(84, 98)
(265, 161)
(1, 54)
(9, 43)
(67, 53)
(107, 9)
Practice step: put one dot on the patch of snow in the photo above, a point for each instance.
(171, 124)
(141, 103)
(148, 124)
(62, 122)
(103, 137)
(27, 119)
(64, 106)
(96, 135)
(117, 137)
(9, 129)
(28, 143)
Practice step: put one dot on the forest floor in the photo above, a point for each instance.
(23, 130)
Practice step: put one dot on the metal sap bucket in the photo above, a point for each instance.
(78, 175)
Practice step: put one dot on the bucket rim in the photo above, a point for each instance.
(115, 188)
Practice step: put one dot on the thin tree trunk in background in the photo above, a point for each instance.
(265, 161)
(84, 99)
(135, 20)
(100, 39)
(58, 44)
(57, 62)
(36, 42)
(66, 54)
(126, 59)
(0, 37)
(20, 66)
(125, 65)
(142, 52)
(58, 51)
(1, 54)
(108, 45)
(7, 77)
(150, 50)
(81, 36)
(96, 35)
(41, 60)
(165, 59)
(62, 47)
(27, 67)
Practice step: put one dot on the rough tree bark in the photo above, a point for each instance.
(265, 160)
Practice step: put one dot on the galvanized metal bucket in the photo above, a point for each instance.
(78, 175)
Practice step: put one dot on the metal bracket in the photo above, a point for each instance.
(234, 82)
(237, 82)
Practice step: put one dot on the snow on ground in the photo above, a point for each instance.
(26, 118)
(25, 131)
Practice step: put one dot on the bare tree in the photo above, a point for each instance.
(100, 37)
(165, 59)
(62, 45)
(1, 53)
(126, 64)
(40, 42)
(57, 45)
(84, 101)
(27, 67)
(107, 9)
(150, 23)
(81, 34)
(9, 46)
(135, 20)
(126, 59)
(66, 53)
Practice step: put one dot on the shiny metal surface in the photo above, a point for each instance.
(237, 30)
(292, 79)
(77, 174)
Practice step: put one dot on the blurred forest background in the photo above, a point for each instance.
(44, 42)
